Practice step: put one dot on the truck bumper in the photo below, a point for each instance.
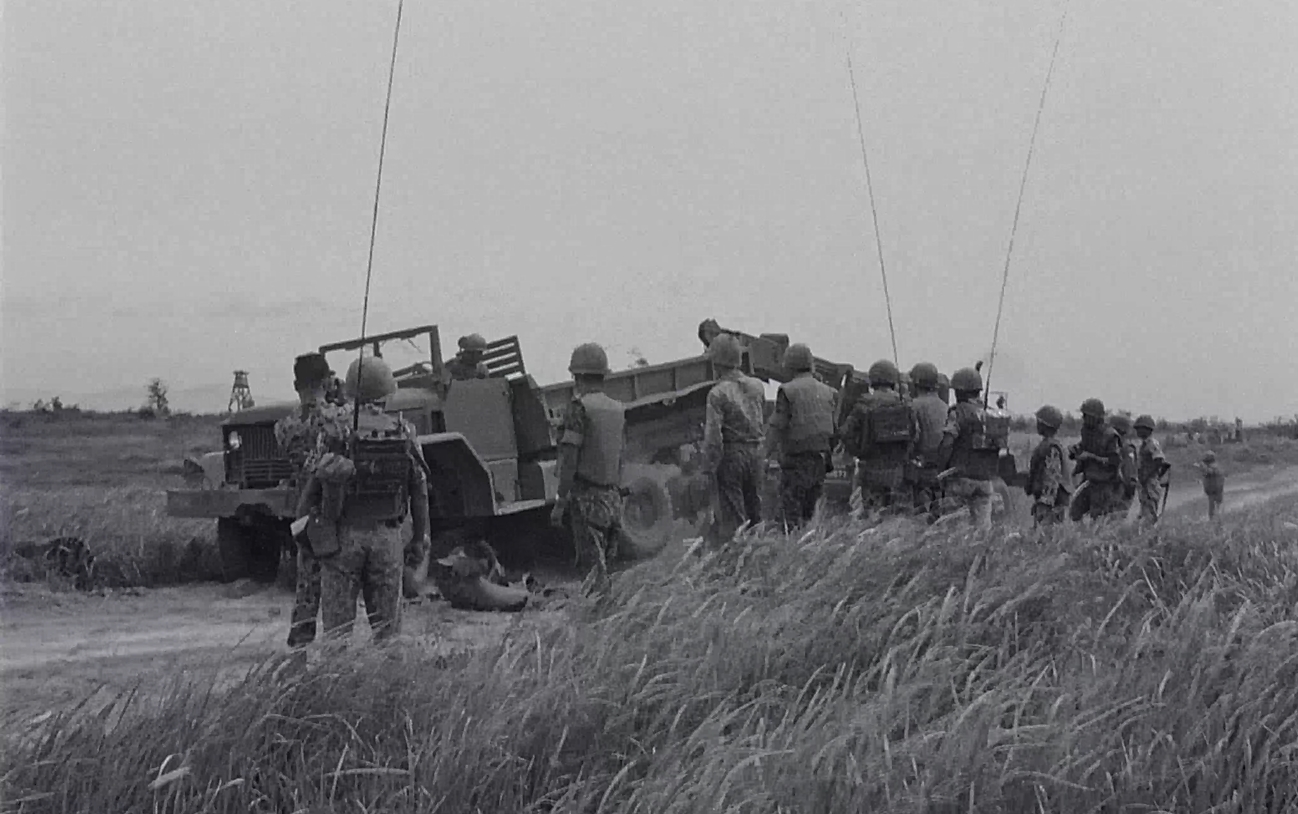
(216, 503)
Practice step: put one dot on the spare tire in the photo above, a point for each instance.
(646, 517)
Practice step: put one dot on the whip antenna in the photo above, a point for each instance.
(374, 222)
(874, 212)
(1023, 182)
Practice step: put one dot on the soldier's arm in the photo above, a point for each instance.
(1113, 451)
(779, 423)
(310, 497)
(711, 452)
(572, 433)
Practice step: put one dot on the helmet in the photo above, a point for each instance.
(1121, 423)
(1210, 457)
(924, 375)
(376, 380)
(309, 369)
(473, 342)
(883, 372)
(1145, 421)
(1093, 407)
(725, 351)
(967, 379)
(798, 357)
(1050, 416)
(590, 359)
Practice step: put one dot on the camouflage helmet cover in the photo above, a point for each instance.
(473, 342)
(967, 379)
(1050, 416)
(798, 357)
(588, 359)
(924, 375)
(725, 351)
(376, 381)
(883, 372)
(1145, 421)
(1093, 407)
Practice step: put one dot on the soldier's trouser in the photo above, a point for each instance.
(926, 494)
(1214, 503)
(596, 516)
(977, 495)
(1151, 500)
(802, 481)
(737, 489)
(1044, 514)
(369, 559)
(1095, 499)
(306, 599)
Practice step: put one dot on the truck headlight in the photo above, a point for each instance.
(233, 441)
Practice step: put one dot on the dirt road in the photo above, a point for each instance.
(58, 648)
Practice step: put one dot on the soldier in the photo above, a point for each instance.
(591, 442)
(804, 428)
(964, 449)
(1214, 482)
(1127, 473)
(1050, 478)
(944, 389)
(467, 363)
(1099, 457)
(1151, 470)
(316, 427)
(357, 501)
(930, 420)
(880, 433)
(733, 433)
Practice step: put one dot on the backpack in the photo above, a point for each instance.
(379, 448)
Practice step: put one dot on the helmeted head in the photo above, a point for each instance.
(311, 371)
(1210, 457)
(1144, 425)
(943, 387)
(925, 376)
(967, 383)
(709, 329)
(472, 347)
(1049, 418)
(588, 359)
(725, 352)
(375, 383)
(903, 382)
(883, 374)
(1092, 412)
(798, 358)
(1121, 423)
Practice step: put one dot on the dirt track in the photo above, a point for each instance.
(58, 648)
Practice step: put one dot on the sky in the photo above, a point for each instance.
(188, 189)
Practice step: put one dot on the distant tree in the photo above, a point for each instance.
(638, 359)
(39, 406)
(157, 398)
(56, 404)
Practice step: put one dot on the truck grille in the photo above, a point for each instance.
(258, 463)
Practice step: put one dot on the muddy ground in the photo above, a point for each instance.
(58, 648)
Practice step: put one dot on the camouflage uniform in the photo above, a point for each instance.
(803, 427)
(1049, 482)
(732, 439)
(1100, 494)
(309, 432)
(930, 420)
(880, 471)
(370, 554)
(593, 425)
(963, 421)
(1151, 468)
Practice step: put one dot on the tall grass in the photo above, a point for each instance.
(898, 669)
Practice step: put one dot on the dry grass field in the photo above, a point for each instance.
(899, 668)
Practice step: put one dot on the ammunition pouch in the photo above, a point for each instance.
(322, 536)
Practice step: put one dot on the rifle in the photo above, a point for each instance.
(1167, 487)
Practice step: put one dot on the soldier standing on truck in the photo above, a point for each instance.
(968, 449)
(1099, 457)
(467, 363)
(733, 432)
(316, 427)
(357, 502)
(880, 433)
(591, 441)
(1151, 470)
(930, 420)
(1050, 478)
(803, 431)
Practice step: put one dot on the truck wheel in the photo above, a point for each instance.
(233, 546)
(646, 514)
(267, 541)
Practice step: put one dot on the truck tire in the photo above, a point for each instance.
(267, 540)
(233, 546)
(646, 517)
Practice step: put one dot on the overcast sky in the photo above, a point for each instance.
(188, 188)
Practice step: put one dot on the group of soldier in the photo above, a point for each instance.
(360, 472)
